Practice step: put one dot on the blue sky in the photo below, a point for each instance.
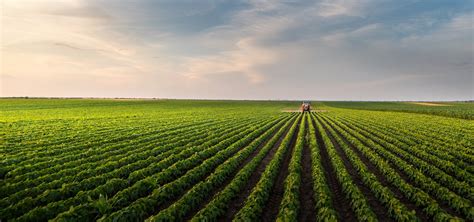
(252, 49)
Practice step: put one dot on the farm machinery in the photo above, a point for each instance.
(306, 107)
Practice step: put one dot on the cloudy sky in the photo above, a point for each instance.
(249, 49)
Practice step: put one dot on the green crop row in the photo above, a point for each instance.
(144, 207)
(358, 202)
(322, 193)
(54, 177)
(219, 203)
(456, 202)
(166, 160)
(396, 209)
(122, 168)
(54, 208)
(194, 196)
(290, 203)
(255, 203)
(426, 163)
(432, 152)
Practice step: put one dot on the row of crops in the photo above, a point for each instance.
(462, 110)
(193, 164)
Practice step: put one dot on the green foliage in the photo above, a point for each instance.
(174, 160)
(102, 205)
(255, 203)
(290, 206)
(386, 157)
(463, 110)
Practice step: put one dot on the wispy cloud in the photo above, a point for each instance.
(329, 8)
(256, 47)
(243, 59)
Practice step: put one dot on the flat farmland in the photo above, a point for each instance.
(189, 160)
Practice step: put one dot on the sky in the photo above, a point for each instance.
(238, 49)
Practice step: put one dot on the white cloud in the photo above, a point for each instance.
(344, 37)
(56, 47)
(329, 8)
(238, 45)
(243, 59)
(54, 39)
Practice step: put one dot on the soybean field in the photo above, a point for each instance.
(189, 160)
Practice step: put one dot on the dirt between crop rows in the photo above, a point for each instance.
(407, 179)
(168, 203)
(381, 178)
(231, 177)
(237, 203)
(340, 203)
(307, 211)
(271, 209)
(380, 211)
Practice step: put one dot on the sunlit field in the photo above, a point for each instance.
(181, 160)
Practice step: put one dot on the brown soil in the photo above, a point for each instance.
(380, 211)
(381, 178)
(231, 177)
(407, 179)
(270, 211)
(307, 211)
(168, 202)
(237, 203)
(340, 203)
(412, 143)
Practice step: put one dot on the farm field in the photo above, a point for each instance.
(463, 110)
(185, 160)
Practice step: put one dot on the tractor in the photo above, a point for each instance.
(305, 107)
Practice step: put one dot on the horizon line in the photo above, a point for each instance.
(204, 99)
